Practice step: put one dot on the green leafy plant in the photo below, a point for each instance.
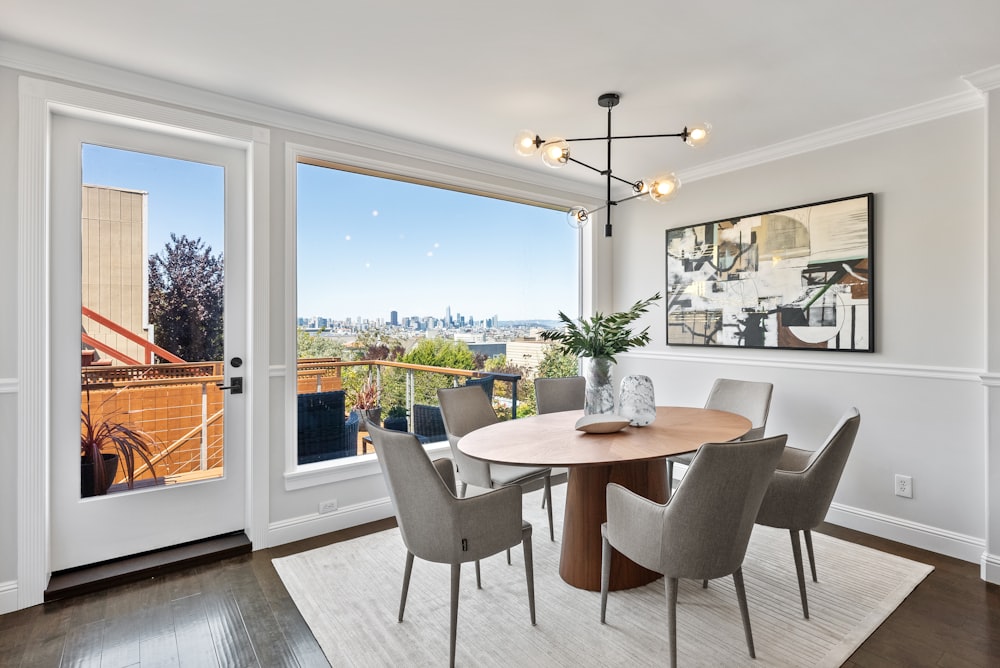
(110, 437)
(602, 335)
(396, 412)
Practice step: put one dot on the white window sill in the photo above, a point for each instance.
(338, 470)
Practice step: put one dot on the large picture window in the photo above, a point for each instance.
(394, 274)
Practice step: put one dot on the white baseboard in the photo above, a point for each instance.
(959, 546)
(8, 597)
(315, 524)
(989, 568)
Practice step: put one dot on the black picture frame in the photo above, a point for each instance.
(798, 278)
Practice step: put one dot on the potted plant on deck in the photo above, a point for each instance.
(597, 340)
(366, 402)
(115, 445)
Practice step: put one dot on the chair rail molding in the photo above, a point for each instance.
(901, 370)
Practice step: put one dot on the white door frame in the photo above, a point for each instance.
(38, 99)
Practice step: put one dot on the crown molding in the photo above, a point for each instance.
(894, 120)
(49, 64)
(985, 79)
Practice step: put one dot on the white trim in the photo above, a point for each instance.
(349, 468)
(32, 348)
(9, 385)
(841, 134)
(985, 79)
(823, 363)
(959, 546)
(38, 100)
(277, 371)
(8, 597)
(989, 568)
(315, 524)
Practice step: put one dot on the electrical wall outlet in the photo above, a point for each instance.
(328, 506)
(904, 486)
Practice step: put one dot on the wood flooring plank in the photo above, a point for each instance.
(83, 645)
(194, 637)
(229, 632)
(159, 652)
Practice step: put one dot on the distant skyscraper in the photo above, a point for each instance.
(447, 315)
(394, 318)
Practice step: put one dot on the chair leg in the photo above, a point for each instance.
(406, 583)
(461, 489)
(797, 554)
(479, 580)
(605, 574)
(704, 584)
(456, 572)
(548, 497)
(741, 596)
(670, 475)
(529, 571)
(508, 556)
(809, 550)
(671, 586)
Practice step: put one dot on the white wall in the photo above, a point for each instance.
(920, 394)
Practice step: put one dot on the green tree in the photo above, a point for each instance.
(186, 299)
(440, 353)
(315, 345)
(557, 362)
(502, 389)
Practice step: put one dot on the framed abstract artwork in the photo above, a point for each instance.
(798, 278)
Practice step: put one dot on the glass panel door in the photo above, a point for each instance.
(148, 265)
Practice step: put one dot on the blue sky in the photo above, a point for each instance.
(367, 245)
(184, 197)
(370, 245)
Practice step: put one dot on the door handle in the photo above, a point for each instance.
(236, 387)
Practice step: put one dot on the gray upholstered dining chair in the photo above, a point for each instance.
(748, 398)
(553, 395)
(438, 526)
(702, 532)
(803, 487)
(465, 409)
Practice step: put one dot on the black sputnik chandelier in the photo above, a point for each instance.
(555, 153)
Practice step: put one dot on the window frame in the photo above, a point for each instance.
(448, 175)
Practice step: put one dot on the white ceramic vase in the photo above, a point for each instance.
(637, 401)
(600, 395)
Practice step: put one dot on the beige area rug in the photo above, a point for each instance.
(348, 593)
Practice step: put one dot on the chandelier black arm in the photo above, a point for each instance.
(683, 135)
(602, 172)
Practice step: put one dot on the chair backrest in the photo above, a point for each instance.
(823, 471)
(465, 409)
(554, 395)
(428, 424)
(323, 431)
(486, 382)
(421, 498)
(708, 520)
(748, 398)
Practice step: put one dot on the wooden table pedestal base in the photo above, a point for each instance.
(586, 511)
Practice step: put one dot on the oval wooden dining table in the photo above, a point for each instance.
(633, 457)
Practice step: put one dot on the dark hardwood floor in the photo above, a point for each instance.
(236, 612)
